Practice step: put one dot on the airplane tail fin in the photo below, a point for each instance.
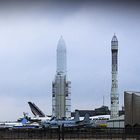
(86, 119)
(77, 116)
(35, 110)
(24, 119)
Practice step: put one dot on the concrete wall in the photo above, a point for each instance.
(132, 108)
(115, 124)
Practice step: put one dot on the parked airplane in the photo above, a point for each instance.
(52, 122)
(100, 121)
(18, 123)
(67, 123)
(23, 122)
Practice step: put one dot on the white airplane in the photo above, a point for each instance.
(10, 124)
(100, 117)
(18, 123)
(100, 121)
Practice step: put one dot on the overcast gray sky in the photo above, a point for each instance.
(29, 33)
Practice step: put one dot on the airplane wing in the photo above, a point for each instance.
(35, 110)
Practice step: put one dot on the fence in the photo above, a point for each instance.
(67, 133)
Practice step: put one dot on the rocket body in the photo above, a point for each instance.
(114, 87)
(61, 57)
(61, 101)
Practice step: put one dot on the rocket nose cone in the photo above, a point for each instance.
(61, 43)
(114, 38)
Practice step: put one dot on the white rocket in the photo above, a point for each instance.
(114, 87)
(61, 57)
(61, 101)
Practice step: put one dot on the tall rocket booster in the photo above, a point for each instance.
(61, 101)
(114, 87)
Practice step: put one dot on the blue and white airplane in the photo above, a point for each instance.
(54, 123)
(19, 123)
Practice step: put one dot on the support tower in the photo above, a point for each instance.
(61, 100)
(114, 87)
